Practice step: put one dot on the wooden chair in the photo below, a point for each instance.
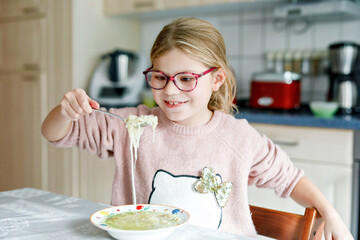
(288, 226)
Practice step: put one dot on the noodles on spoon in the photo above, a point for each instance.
(135, 127)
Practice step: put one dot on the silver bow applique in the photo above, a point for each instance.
(211, 183)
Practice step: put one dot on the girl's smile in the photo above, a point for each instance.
(174, 104)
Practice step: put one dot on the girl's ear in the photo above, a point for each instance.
(219, 79)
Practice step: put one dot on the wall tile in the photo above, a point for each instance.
(351, 31)
(326, 33)
(214, 19)
(250, 66)
(149, 31)
(301, 40)
(252, 15)
(274, 39)
(231, 35)
(236, 66)
(253, 39)
(231, 17)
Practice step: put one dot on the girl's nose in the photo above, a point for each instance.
(171, 89)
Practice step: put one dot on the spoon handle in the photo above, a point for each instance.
(108, 113)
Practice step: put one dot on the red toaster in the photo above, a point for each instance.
(275, 90)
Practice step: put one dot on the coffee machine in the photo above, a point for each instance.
(344, 73)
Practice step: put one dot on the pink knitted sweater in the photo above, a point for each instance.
(168, 168)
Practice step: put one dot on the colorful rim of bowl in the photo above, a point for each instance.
(139, 207)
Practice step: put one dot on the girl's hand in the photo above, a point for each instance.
(76, 103)
(335, 229)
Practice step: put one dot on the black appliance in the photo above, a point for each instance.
(344, 73)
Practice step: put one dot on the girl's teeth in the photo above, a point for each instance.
(173, 103)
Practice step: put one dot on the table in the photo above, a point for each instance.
(30, 214)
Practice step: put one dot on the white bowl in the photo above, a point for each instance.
(99, 217)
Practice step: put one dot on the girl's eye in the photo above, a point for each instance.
(187, 78)
(159, 77)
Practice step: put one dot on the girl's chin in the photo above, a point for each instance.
(176, 117)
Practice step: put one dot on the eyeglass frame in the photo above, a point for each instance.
(172, 78)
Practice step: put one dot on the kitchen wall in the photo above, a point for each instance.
(94, 34)
(250, 35)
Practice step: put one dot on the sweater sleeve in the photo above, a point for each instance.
(94, 133)
(272, 168)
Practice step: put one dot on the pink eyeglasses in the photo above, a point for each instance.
(184, 81)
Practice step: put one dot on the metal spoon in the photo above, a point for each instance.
(114, 115)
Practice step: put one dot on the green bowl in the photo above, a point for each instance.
(324, 109)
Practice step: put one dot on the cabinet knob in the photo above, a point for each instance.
(30, 10)
(144, 4)
(286, 142)
(31, 66)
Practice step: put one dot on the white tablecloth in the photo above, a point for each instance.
(31, 214)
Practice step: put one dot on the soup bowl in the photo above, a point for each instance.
(99, 219)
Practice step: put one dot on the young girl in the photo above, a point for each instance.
(202, 159)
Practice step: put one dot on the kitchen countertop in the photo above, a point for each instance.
(299, 117)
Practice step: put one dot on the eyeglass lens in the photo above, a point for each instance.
(183, 81)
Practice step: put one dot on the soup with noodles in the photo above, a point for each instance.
(144, 220)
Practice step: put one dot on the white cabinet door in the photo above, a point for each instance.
(325, 155)
(334, 181)
(312, 144)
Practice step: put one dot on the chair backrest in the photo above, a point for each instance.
(288, 226)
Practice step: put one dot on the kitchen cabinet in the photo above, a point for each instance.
(112, 7)
(33, 71)
(47, 49)
(22, 45)
(20, 139)
(129, 7)
(17, 9)
(325, 155)
(22, 75)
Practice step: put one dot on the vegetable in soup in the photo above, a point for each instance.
(144, 220)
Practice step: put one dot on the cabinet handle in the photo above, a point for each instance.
(286, 142)
(144, 4)
(31, 66)
(30, 10)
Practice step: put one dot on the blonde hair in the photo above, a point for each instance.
(203, 42)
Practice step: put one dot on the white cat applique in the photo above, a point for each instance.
(179, 191)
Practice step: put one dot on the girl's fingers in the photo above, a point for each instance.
(94, 104)
(68, 112)
(71, 100)
(83, 102)
(328, 236)
(77, 103)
